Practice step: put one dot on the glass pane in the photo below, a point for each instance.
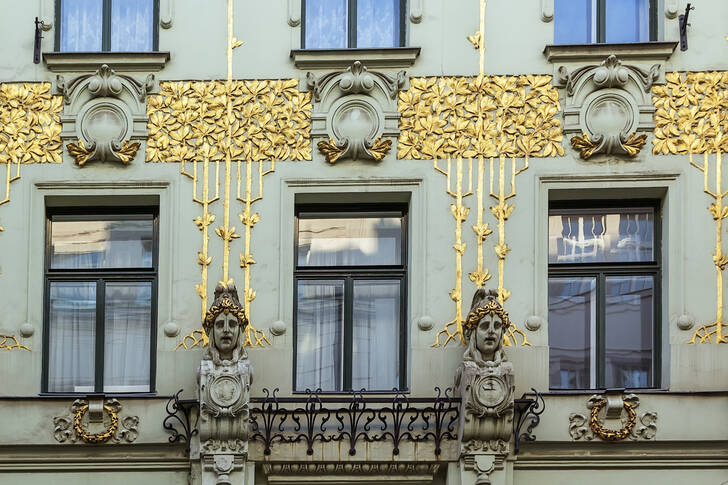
(326, 22)
(628, 21)
(81, 25)
(377, 23)
(127, 332)
(350, 242)
(101, 244)
(376, 356)
(601, 236)
(628, 332)
(574, 21)
(72, 336)
(132, 24)
(320, 335)
(572, 332)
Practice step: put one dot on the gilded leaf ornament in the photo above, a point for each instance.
(691, 118)
(223, 128)
(30, 128)
(488, 116)
(10, 342)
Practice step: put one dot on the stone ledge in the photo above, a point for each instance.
(628, 51)
(90, 61)
(392, 57)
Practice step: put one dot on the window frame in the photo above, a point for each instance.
(599, 19)
(603, 270)
(351, 26)
(106, 27)
(349, 274)
(101, 276)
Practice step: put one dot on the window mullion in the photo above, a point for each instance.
(348, 333)
(106, 27)
(100, 339)
(601, 329)
(351, 24)
(601, 21)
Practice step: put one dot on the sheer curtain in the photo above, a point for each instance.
(127, 343)
(72, 336)
(326, 22)
(319, 326)
(375, 356)
(132, 25)
(81, 25)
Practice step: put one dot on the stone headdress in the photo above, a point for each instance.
(226, 302)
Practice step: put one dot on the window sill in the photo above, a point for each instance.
(390, 57)
(90, 61)
(628, 51)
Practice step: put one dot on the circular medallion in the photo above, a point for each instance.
(225, 391)
(489, 391)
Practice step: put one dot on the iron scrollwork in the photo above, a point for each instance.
(354, 419)
(179, 414)
(528, 409)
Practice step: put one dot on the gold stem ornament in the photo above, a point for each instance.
(460, 214)
(10, 342)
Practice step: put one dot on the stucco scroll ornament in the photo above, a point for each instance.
(224, 376)
(485, 378)
(105, 82)
(609, 113)
(353, 100)
(615, 407)
(103, 415)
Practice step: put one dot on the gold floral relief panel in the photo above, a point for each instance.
(691, 113)
(269, 120)
(488, 116)
(30, 123)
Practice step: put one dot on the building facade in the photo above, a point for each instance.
(328, 185)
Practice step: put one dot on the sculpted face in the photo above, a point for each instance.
(225, 332)
(488, 336)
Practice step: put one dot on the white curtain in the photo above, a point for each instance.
(319, 326)
(81, 25)
(132, 25)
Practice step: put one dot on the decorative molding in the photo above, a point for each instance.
(105, 413)
(692, 118)
(356, 79)
(104, 83)
(609, 74)
(671, 9)
(416, 11)
(123, 152)
(616, 406)
(547, 10)
(375, 58)
(166, 13)
(608, 145)
(75, 62)
(294, 13)
(628, 51)
(47, 14)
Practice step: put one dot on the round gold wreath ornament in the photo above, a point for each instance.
(492, 308)
(96, 437)
(610, 434)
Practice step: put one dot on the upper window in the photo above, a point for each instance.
(350, 313)
(600, 21)
(100, 302)
(339, 24)
(107, 25)
(604, 287)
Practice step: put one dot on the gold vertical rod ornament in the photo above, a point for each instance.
(460, 214)
(705, 333)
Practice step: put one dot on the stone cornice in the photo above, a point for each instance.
(90, 61)
(393, 57)
(628, 51)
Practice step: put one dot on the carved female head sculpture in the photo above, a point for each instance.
(484, 327)
(224, 325)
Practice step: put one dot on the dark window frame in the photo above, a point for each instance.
(601, 271)
(349, 274)
(101, 276)
(351, 25)
(601, 21)
(106, 26)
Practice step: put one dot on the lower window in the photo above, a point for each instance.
(350, 282)
(100, 304)
(604, 280)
